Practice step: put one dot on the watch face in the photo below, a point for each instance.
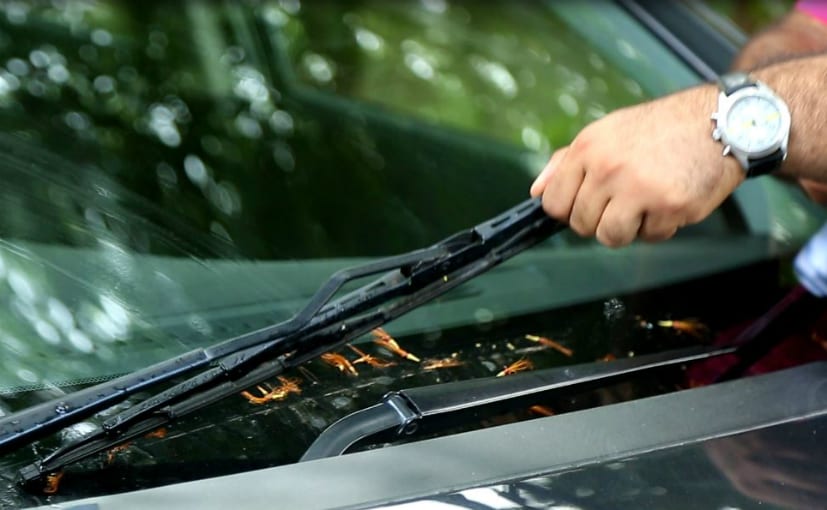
(754, 124)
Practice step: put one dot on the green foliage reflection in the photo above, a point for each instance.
(193, 110)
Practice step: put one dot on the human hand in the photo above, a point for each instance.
(642, 171)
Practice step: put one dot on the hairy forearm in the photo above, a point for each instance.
(801, 83)
(796, 35)
(667, 171)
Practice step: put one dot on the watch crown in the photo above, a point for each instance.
(716, 134)
(714, 116)
(727, 149)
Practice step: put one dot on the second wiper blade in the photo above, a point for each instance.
(439, 407)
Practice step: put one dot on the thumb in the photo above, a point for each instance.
(541, 181)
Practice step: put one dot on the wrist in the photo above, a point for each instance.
(707, 102)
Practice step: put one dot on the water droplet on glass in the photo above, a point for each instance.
(568, 104)
(584, 492)
(27, 375)
(435, 6)
(283, 157)
(483, 315)
(39, 58)
(490, 366)
(104, 84)
(341, 402)
(368, 40)
(290, 6)
(62, 408)
(196, 170)
(281, 122)
(613, 309)
(319, 67)
(78, 121)
(18, 66)
(17, 12)
(384, 380)
(318, 422)
(77, 431)
(101, 37)
(81, 341)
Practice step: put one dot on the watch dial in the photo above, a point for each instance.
(753, 124)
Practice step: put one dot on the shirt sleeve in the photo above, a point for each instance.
(811, 264)
(817, 9)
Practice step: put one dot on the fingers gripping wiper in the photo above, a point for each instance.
(226, 368)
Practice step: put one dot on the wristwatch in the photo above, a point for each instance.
(752, 123)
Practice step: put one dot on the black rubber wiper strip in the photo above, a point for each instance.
(414, 279)
(156, 411)
(20, 428)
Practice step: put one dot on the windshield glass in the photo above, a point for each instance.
(175, 174)
(146, 157)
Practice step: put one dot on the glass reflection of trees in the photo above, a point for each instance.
(180, 105)
(514, 71)
(156, 128)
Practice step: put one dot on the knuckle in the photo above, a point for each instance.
(578, 226)
(555, 208)
(634, 181)
(658, 235)
(579, 231)
(673, 203)
(604, 169)
(578, 143)
(583, 141)
(609, 241)
(694, 216)
(611, 237)
(580, 223)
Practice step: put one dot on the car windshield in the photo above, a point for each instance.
(175, 174)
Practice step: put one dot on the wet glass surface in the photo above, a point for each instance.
(462, 64)
(191, 118)
(752, 17)
(155, 154)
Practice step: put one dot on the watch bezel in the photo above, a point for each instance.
(725, 104)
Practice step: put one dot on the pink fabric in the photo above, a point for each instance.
(815, 8)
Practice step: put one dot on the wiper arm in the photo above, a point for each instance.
(230, 366)
(428, 409)
(412, 411)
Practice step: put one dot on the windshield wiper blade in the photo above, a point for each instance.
(230, 366)
(19, 429)
(428, 409)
